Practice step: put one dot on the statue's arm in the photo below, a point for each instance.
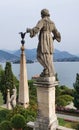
(56, 34)
(12, 98)
(36, 29)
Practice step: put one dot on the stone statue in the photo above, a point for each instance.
(11, 101)
(47, 34)
(13, 98)
(8, 100)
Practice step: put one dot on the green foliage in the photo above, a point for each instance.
(18, 121)
(1, 71)
(65, 90)
(1, 67)
(5, 125)
(7, 81)
(76, 84)
(29, 113)
(64, 100)
(76, 92)
(61, 121)
(77, 128)
(32, 88)
(68, 124)
(56, 76)
(61, 102)
(32, 94)
(9, 84)
(1, 81)
(57, 91)
(3, 114)
(1, 99)
(64, 95)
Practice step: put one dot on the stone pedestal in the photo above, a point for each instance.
(23, 83)
(46, 118)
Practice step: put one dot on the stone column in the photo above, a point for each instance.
(46, 118)
(23, 83)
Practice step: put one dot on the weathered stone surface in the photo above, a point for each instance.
(64, 128)
(23, 83)
(47, 34)
(8, 100)
(45, 81)
(33, 125)
(46, 118)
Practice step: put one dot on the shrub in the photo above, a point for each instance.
(77, 128)
(5, 125)
(3, 114)
(64, 100)
(29, 114)
(18, 121)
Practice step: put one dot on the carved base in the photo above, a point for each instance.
(44, 124)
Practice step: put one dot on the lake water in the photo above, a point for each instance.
(66, 71)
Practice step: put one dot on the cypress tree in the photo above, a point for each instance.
(76, 92)
(7, 80)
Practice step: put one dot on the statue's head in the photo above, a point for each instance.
(45, 12)
(14, 90)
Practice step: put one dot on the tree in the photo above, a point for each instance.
(8, 80)
(1, 72)
(76, 92)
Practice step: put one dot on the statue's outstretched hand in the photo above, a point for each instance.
(28, 30)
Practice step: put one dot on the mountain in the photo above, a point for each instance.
(13, 56)
(64, 56)
(32, 53)
(58, 55)
(10, 51)
(5, 56)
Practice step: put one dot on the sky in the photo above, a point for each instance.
(18, 15)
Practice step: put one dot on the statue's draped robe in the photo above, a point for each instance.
(47, 33)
